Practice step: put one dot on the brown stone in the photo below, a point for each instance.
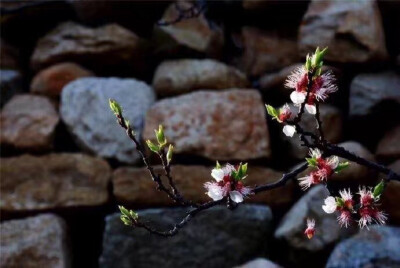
(28, 122)
(53, 181)
(193, 34)
(8, 56)
(134, 186)
(51, 81)
(105, 47)
(353, 31)
(223, 125)
(182, 76)
(38, 241)
(332, 124)
(389, 146)
(264, 52)
(390, 197)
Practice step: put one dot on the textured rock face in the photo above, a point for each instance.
(51, 81)
(134, 186)
(291, 228)
(85, 111)
(377, 247)
(107, 46)
(369, 90)
(389, 146)
(219, 125)
(34, 242)
(390, 203)
(8, 56)
(352, 30)
(332, 124)
(28, 122)
(266, 52)
(53, 181)
(192, 34)
(10, 84)
(202, 243)
(182, 76)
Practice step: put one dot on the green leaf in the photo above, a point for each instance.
(126, 220)
(115, 107)
(341, 166)
(127, 123)
(218, 166)
(124, 211)
(308, 62)
(271, 111)
(378, 189)
(312, 162)
(133, 215)
(152, 146)
(244, 168)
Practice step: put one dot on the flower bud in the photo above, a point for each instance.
(378, 190)
(115, 107)
(160, 136)
(152, 146)
(169, 153)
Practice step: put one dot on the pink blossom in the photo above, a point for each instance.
(310, 230)
(344, 218)
(347, 198)
(284, 113)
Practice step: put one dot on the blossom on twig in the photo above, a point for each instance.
(310, 230)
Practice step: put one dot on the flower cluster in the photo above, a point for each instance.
(228, 181)
(367, 209)
(325, 167)
(322, 85)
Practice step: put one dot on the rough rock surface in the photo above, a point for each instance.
(51, 81)
(259, 263)
(34, 242)
(8, 56)
(265, 52)
(390, 202)
(97, 48)
(85, 111)
(377, 247)
(389, 146)
(291, 228)
(332, 124)
(182, 76)
(222, 125)
(353, 31)
(28, 122)
(134, 186)
(369, 90)
(53, 181)
(193, 34)
(10, 84)
(202, 243)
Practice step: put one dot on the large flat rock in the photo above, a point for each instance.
(217, 237)
(221, 125)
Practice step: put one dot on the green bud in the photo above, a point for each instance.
(152, 146)
(218, 166)
(316, 61)
(126, 220)
(133, 215)
(244, 168)
(308, 62)
(312, 162)
(378, 190)
(127, 123)
(169, 153)
(339, 202)
(115, 107)
(160, 136)
(124, 211)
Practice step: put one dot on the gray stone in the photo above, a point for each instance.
(291, 228)
(182, 76)
(369, 90)
(85, 111)
(352, 30)
(38, 241)
(389, 146)
(10, 84)
(259, 263)
(220, 125)
(377, 247)
(217, 237)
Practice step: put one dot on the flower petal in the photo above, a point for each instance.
(289, 130)
(218, 174)
(330, 205)
(236, 196)
(311, 109)
(297, 97)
